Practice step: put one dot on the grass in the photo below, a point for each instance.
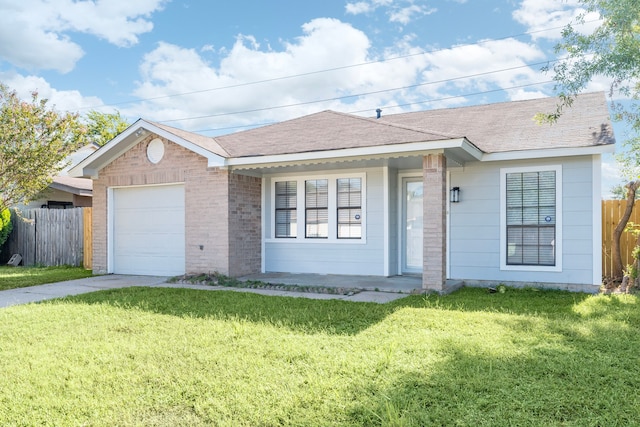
(21, 277)
(170, 357)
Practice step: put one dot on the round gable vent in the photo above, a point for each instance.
(155, 150)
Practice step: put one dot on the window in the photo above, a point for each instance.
(317, 208)
(286, 208)
(349, 208)
(531, 218)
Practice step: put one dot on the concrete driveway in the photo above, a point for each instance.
(74, 287)
(114, 281)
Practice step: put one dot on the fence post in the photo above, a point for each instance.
(88, 238)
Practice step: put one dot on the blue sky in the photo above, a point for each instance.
(217, 67)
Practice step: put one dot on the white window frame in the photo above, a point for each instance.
(332, 209)
(503, 219)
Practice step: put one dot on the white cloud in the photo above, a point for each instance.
(35, 34)
(405, 15)
(68, 100)
(325, 44)
(546, 18)
(366, 6)
(359, 8)
(399, 11)
(493, 64)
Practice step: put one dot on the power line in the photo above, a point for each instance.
(394, 106)
(330, 69)
(337, 98)
(458, 96)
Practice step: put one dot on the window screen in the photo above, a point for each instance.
(531, 218)
(317, 208)
(286, 205)
(349, 208)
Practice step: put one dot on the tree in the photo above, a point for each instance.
(611, 51)
(35, 140)
(103, 127)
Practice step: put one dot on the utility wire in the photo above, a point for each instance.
(330, 69)
(392, 106)
(298, 104)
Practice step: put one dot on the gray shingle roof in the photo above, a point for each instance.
(509, 126)
(493, 128)
(327, 130)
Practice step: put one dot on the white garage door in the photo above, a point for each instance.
(148, 230)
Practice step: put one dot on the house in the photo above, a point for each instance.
(65, 191)
(480, 195)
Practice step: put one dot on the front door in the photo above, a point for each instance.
(412, 225)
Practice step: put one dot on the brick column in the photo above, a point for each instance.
(434, 240)
(245, 225)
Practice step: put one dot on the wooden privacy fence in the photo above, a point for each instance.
(52, 237)
(612, 211)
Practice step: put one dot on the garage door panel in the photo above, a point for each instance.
(141, 223)
(160, 245)
(151, 196)
(148, 230)
(146, 266)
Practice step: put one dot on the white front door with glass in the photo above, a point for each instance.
(412, 211)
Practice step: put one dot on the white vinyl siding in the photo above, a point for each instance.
(476, 250)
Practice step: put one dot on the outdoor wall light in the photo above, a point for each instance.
(139, 132)
(454, 195)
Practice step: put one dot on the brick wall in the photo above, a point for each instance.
(434, 222)
(245, 225)
(208, 205)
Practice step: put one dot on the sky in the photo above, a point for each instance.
(216, 67)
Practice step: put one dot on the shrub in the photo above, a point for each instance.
(5, 225)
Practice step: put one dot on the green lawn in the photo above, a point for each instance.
(170, 357)
(20, 277)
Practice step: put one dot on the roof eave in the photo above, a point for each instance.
(461, 146)
(548, 152)
(90, 166)
(70, 189)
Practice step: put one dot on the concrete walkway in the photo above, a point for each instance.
(114, 281)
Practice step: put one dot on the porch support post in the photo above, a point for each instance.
(434, 254)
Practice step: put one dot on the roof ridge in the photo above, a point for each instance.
(382, 121)
(518, 101)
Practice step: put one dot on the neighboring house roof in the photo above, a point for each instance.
(79, 155)
(78, 186)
